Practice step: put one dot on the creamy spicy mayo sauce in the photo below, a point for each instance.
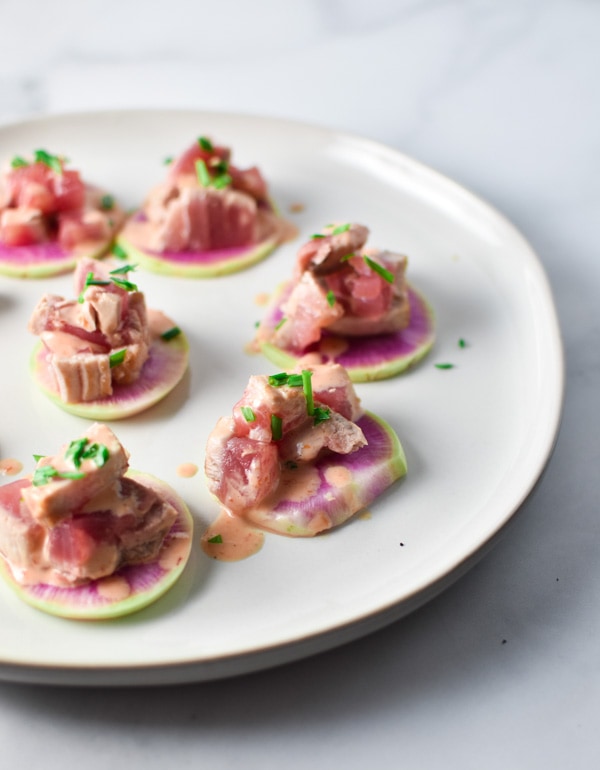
(233, 539)
(187, 470)
(10, 467)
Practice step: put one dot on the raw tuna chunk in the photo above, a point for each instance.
(276, 422)
(81, 334)
(80, 518)
(42, 201)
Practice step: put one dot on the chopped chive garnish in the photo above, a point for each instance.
(221, 181)
(75, 451)
(346, 257)
(278, 379)
(46, 473)
(379, 269)
(317, 235)
(331, 298)
(91, 281)
(279, 324)
(321, 414)
(18, 162)
(295, 381)
(126, 285)
(37, 458)
(80, 449)
(462, 343)
(119, 251)
(202, 173)
(308, 393)
(52, 161)
(248, 413)
(444, 366)
(276, 427)
(168, 160)
(43, 475)
(117, 358)
(171, 333)
(124, 269)
(215, 539)
(98, 453)
(107, 202)
(218, 165)
(205, 143)
(340, 229)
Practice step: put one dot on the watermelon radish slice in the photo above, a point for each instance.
(50, 217)
(313, 497)
(129, 589)
(369, 358)
(163, 370)
(41, 260)
(207, 264)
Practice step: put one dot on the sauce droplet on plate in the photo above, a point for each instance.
(10, 467)
(231, 538)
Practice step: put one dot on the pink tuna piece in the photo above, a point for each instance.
(240, 471)
(307, 311)
(38, 186)
(22, 227)
(333, 387)
(325, 254)
(21, 537)
(336, 434)
(342, 288)
(123, 523)
(81, 335)
(97, 541)
(201, 219)
(60, 496)
(243, 460)
(264, 400)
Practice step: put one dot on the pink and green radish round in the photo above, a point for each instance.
(367, 358)
(204, 264)
(314, 497)
(166, 364)
(130, 588)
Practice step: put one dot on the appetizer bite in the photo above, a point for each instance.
(86, 538)
(299, 455)
(103, 355)
(50, 217)
(349, 304)
(207, 218)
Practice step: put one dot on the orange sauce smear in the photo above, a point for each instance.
(233, 539)
(10, 467)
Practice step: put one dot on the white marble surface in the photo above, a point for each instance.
(502, 670)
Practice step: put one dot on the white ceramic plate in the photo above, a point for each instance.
(476, 436)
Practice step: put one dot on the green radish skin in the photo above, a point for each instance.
(210, 264)
(164, 369)
(365, 358)
(314, 497)
(131, 588)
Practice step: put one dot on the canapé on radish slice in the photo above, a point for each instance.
(208, 218)
(86, 538)
(299, 455)
(50, 217)
(348, 304)
(104, 355)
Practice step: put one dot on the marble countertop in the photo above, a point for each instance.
(502, 669)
